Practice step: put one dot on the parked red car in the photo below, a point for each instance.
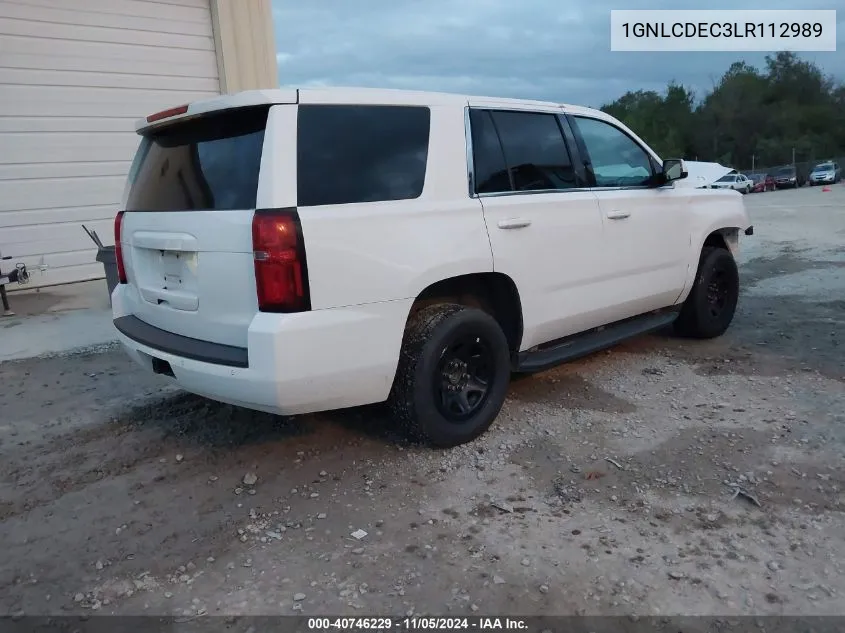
(762, 182)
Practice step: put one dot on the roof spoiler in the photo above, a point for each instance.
(223, 102)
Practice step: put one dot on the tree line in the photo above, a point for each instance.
(789, 111)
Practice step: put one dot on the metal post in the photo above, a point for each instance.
(7, 311)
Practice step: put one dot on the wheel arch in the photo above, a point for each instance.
(495, 293)
(724, 237)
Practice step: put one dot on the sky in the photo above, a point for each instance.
(531, 49)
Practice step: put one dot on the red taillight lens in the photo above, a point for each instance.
(118, 248)
(281, 279)
(165, 114)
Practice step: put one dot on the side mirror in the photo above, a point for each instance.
(674, 169)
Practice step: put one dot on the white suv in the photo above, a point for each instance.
(300, 250)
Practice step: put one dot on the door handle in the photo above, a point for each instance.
(618, 215)
(514, 223)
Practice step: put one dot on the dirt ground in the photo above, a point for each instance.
(625, 483)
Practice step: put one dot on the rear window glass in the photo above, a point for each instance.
(354, 153)
(208, 163)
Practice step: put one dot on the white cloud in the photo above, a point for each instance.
(540, 49)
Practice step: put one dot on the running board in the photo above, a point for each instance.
(586, 343)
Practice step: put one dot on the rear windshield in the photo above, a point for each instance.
(208, 163)
(360, 153)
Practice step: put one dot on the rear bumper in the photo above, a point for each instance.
(183, 346)
(295, 363)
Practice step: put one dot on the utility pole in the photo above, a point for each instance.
(752, 161)
(793, 155)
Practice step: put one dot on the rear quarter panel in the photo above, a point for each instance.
(388, 251)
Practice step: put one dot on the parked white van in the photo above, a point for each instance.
(294, 250)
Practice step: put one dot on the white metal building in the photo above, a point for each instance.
(75, 75)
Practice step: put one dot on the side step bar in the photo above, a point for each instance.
(591, 341)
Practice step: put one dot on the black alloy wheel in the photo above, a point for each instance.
(717, 293)
(711, 304)
(465, 375)
(453, 374)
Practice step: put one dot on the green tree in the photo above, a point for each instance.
(750, 115)
(663, 121)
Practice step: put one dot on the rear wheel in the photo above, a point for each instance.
(711, 304)
(453, 375)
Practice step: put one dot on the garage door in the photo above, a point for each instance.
(75, 75)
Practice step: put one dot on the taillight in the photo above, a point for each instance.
(118, 248)
(281, 277)
(166, 114)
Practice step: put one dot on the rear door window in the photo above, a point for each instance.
(530, 144)
(490, 170)
(208, 163)
(361, 153)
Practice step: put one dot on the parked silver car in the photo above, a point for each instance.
(825, 173)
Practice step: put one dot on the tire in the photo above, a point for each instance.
(711, 304)
(436, 338)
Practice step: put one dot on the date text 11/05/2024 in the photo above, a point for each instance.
(420, 623)
(723, 29)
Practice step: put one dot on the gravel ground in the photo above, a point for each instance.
(661, 477)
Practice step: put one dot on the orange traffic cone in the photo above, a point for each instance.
(825, 189)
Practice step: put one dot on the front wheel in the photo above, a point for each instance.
(711, 304)
(453, 375)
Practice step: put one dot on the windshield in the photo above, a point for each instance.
(784, 171)
(824, 167)
(726, 179)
